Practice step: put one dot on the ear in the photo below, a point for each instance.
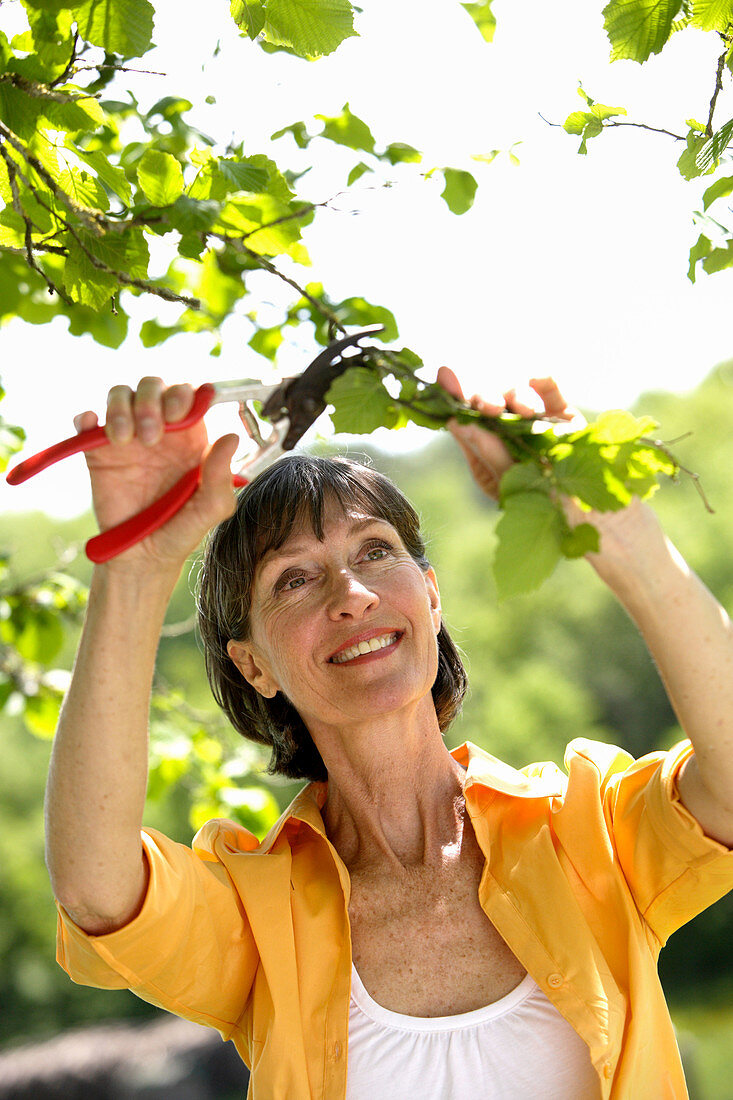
(431, 586)
(253, 667)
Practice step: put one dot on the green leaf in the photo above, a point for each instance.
(699, 250)
(110, 175)
(361, 403)
(688, 162)
(189, 215)
(266, 341)
(34, 631)
(80, 113)
(161, 178)
(312, 28)
(459, 191)
(357, 172)
(347, 129)
(41, 711)
(249, 15)
(580, 540)
(398, 152)
(92, 285)
(719, 259)
(483, 17)
(245, 174)
(298, 131)
(123, 27)
(712, 15)
(152, 333)
(584, 474)
(522, 477)
(639, 28)
(718, 190)
(708, 156)
(529, 543)
(619, 426)
(83, 189)
(106, 328)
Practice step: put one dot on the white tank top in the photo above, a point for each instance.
(519, 1048)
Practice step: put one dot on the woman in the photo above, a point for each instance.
(419, 923)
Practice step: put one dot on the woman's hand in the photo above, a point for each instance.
(142, 462)
(487, 457)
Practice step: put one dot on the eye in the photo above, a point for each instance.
(376, 550)
(290, 581)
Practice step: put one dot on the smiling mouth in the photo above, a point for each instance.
(362, 648)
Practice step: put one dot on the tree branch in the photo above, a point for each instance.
(238, 245)
(100, 265)
(95, 222)
(64, 76)
(638, 125)
(42, 91)
(29, 226)
(718, 89)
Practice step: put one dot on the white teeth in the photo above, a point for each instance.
(370, 646)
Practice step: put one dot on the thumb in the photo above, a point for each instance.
(216, 475)
(448, 379)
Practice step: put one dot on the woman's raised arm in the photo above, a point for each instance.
(98, 774)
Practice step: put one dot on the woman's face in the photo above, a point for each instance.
(345, 627)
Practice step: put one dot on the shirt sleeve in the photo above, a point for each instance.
(189, 950)
(673, 868)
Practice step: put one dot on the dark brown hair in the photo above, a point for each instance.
(291, 494)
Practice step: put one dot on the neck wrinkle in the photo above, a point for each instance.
(403, 815)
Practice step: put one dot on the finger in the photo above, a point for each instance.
(177, 401)
(488, 407)
(514, 405)
(148, 410)
(119, 426)
(448, 379)
(85, 422)
(553, 401)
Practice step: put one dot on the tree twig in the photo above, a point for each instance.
(239, 246)
(100, 265)
(718, 89)
(12, 171)
(639, 125)
(42, 91)
(64, 76)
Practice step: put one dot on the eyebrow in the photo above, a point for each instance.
(287, 551)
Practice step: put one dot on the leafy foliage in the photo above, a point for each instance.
(602, 466)
(638, 29)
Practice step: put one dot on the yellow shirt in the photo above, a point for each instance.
(586, 876)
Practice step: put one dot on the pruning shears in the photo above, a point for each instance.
(290, 407)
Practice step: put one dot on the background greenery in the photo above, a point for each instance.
(109, 196)
(562, 663)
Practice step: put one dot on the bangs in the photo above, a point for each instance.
(294, 495)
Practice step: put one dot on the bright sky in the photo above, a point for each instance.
(568, 265)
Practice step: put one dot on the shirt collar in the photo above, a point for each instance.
(482, 770)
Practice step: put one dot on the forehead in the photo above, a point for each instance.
(338, 521)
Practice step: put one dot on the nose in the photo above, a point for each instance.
(349, 597)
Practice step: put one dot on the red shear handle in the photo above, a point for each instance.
(96, 437)
(84, 441)
(112, 542)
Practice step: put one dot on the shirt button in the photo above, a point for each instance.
(555, 981)
(336, 1051)
(607, 1069)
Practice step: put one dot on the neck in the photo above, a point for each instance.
(395, 794)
